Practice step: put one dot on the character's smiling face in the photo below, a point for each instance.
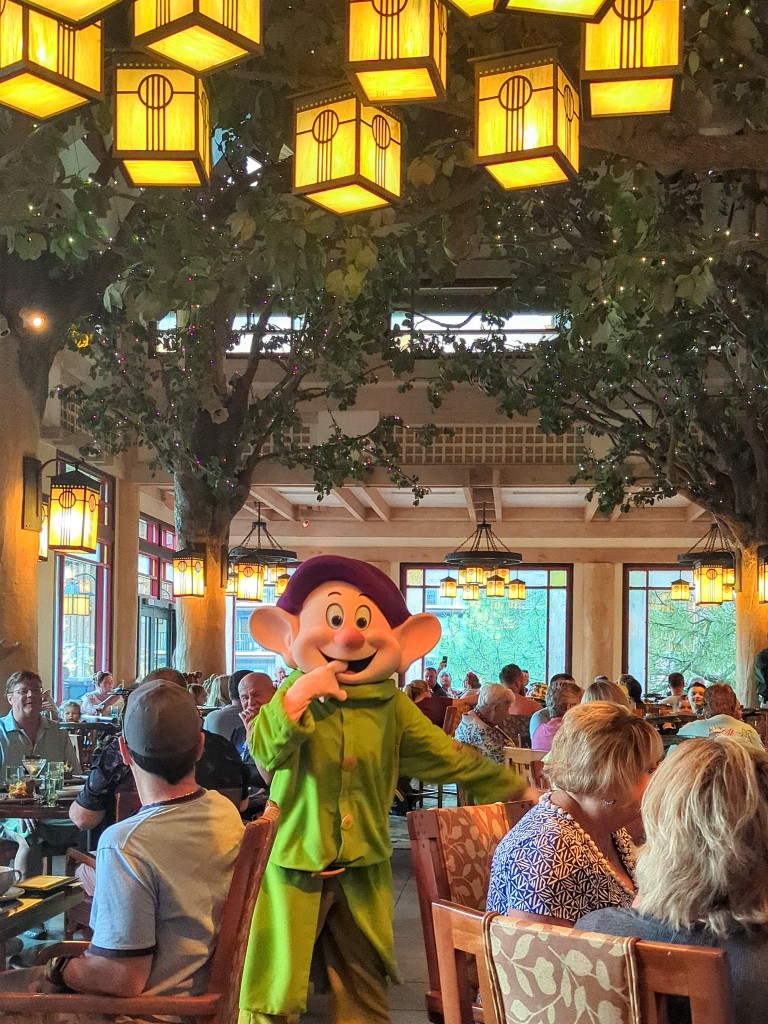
(340, 623)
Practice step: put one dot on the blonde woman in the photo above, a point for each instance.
(487, 727)
(703, 873)
(218, 692)
(604, 689)
(572, 851)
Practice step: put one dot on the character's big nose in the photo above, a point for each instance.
(349, 637)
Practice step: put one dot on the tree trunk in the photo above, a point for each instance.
(751, 628)
(19, 435)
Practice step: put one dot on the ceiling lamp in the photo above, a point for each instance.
(494, 586)
(471, 592)
(189, 572)
(713, 562)
(762, 574)
(74, 602)
(42, 542)
(479, 553)
(527, 124)
(74, 12)
(680, 590)
(398, 49)
(281, 583)
(162, 134)
(73, 512)
(251, 564)
(448, 587)
(516, 590)
(200, 35)
(630, 59)
(347, 155)
(47, 66)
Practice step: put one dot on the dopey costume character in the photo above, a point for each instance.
(337, 735)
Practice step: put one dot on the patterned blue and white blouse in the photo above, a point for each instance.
(547, 864)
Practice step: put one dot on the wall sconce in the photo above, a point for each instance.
(189, 572)
(73, 506)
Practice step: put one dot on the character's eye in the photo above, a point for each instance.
(363, 617)
(334, 616)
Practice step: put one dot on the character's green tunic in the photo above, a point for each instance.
(335, 775)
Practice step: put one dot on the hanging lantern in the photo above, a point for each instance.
(249, 579)
(494, 586)
(516, 590)
(162, 134)
(398, 49)
(762, 574)
(708, 583)
(470, 574)
(348, 155)
(47, 66)
(471, 592)
(527, 124)
(680, 590)
(281, 583)
(189, 572)
(74, 12)
(630, 59)
(271, 573)
(42, 542)
(200, 35)
(74, 602)
(73, 514)
(448, 587)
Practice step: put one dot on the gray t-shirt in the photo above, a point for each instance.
(162, 878)
(747, 957)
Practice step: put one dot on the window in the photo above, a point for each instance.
(246, 653)
(83, 608)
(663, 636)
(484, 635)
(157, 542)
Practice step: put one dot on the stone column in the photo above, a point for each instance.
(597, 621)
(125, 600)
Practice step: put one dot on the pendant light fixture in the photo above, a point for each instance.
(189, 572)
(251, 564)
(448, 587)
(73, 512)
(713, 563)
(516, 590)
(680, 590)
(481, 552)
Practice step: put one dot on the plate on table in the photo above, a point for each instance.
(12, 894)
(68, 791)
(46, 883)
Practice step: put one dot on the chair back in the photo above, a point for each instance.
(85, 738)
(452, 849)
(624, 979)
(528, 763)
(452, 718)
(127, 803)
(228, 960)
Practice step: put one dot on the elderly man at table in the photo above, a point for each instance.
(249, 692)
(26, 732)
(163, 875)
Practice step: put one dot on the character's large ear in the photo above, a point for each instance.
(276, 630)
(417, 635)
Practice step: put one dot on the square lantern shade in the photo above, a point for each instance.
(189, 573)
(517, 590)
(47, 66)
(162, 133)
(200, 35)
(471, 592)
(249, 581)
(398, 49)
(494, 586)
(708, 580)
(527, 125)
(471, 574)
(74, 12)
(448, 587)
(347, 155)
(680, 590)
(762, 574)
(630, 58)
(73, 512)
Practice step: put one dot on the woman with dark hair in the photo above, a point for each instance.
(633, 688)
(100, 697)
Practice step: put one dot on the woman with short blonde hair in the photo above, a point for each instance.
(572, 850)
(703, 873)
(606, 690)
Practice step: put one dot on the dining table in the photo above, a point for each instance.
(26, 909)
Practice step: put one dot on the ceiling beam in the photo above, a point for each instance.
(695, 512)
(273, 499)
(615, 515)
(470, 503)
(352, 504)
(379, 503)
(497, 502)
(590, 507)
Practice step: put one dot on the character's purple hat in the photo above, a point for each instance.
(325, 568)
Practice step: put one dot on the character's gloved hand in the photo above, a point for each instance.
(320, 682)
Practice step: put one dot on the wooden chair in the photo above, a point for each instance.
(526, 762)
(452, 848)
(219, 1003)
(694, 972)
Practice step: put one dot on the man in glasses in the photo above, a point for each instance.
(26, 732)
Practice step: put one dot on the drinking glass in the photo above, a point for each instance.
(34, 765)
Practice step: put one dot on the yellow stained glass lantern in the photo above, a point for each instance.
(281, 583)
(471, 592)
(762, 574)
(470, 574)
(586, 10)
(42, 542)
(249, 580)
(73, 516)
(348, 155)
(74, 12)
(680, 590)
(47, 66)
(272, 571)
(494, 586)
(200, 35)
(527, 124)
(448, 587)
(476, 8)
(516, 590)
(162, 133)
(398, 49)
(708, 583)
(189, 572)
(631, 57)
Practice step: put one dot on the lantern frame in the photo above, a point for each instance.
(73, 494)
(494, 586)
(517, 64)
(517, 590)
(709, 580)
(63, 10)
(680, 590)
(249, 578)
(435, 64)
(629, 75)
(200, 24)
(27, 72)
(196, 158)
(471, 592)
(449, 588)
(762, 574)
(322, 191)
(189, 580)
